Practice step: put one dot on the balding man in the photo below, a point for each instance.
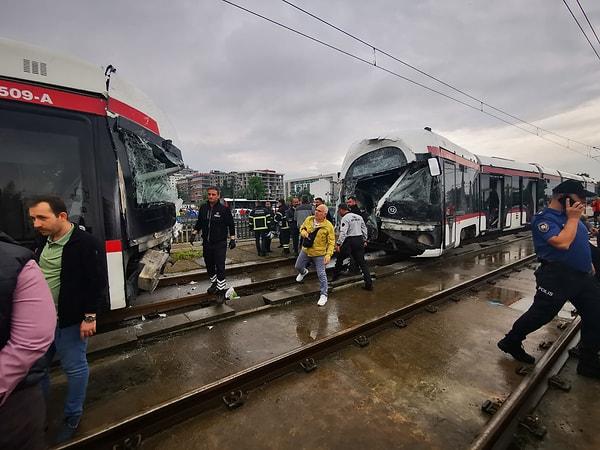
(318, 243)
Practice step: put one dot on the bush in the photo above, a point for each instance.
(183, 255)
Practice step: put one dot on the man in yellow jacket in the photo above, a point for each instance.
(318, 244)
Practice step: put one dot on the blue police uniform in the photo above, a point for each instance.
(549, 223)
(563, 275)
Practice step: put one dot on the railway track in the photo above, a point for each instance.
(111, 320)
(235, 389)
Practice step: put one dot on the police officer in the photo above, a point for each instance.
(565, 273)
(281, 218)
(352, 240)
(214, 219)
(259, 220)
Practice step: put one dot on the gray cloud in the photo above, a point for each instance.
(244, 94)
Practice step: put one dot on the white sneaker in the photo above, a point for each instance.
(322, 300)
(301, 276)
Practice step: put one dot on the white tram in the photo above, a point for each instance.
(68, 128)
(425, 194)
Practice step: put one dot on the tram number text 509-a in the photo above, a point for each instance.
(24, 94)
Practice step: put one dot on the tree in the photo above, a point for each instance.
(226, 190)
(255, 189)
(306, 193)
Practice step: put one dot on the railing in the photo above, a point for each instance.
(242, 230)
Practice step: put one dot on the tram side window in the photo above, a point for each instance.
(43, 154)
(516, 193)
(528, 193)
(150, 175)
(466, 189)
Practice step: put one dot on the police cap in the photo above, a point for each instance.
(572, 187)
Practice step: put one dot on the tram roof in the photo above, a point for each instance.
(66, 72)
(571, 176)
(546, 171)
(411, 142)
(507, 166)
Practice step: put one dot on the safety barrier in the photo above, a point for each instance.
(242, 230)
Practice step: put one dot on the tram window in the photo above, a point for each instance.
(465, 179)
(417, 194)
(43, 154)
(150, 174)
(516, 193)
(528, 195)
(380, 160)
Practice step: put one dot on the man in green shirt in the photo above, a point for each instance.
(74, 265)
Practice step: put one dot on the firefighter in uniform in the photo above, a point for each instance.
(566, 273)
(214, 219)
(259, 220)
(281, 218)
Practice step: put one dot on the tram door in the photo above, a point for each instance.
(450, 196)
(495, 203)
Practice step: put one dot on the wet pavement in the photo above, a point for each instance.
(571, 418)
(419, 387)
(127, 383)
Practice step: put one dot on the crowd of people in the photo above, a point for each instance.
(49, 297)
(310, 227)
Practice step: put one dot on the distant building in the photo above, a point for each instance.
(177, 176)
(325, 186)
(192, 187)
(272, 181)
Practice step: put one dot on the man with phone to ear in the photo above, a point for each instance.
(566, 273)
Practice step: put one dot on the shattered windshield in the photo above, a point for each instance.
(416, 196)
(415, 186)
(380, 160)
(150, 169)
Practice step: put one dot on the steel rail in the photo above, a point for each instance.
(201, 274)
(111, 318)
(134, 428)
(498, 432)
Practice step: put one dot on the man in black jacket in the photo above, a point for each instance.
(214, 219)
(74, 265)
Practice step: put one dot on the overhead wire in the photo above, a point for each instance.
(479, 107)
(588, 21)
(481, 102)
(581, 28)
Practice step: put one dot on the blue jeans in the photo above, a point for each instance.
(71, 352)
(319, 262)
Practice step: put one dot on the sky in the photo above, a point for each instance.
(244, 94)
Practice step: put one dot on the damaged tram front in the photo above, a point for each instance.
(398, 184)
(69, 130)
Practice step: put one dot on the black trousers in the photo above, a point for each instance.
(555, 284)
(214, 258)
(22, 420)
(353, 246)
(260, 238)
(295, 233)
(284, 237)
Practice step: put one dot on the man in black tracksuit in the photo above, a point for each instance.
(214, 219)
